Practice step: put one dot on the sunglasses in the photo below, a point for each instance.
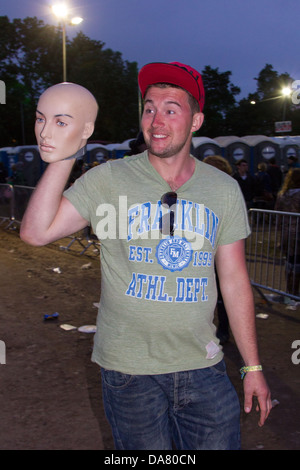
(166, 222)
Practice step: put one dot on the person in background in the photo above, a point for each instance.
(17, 175)
(219, 162)
(288, 200)
(292, 161)
(246, 181)
(137, 145)
(263, 190)
(276, 177)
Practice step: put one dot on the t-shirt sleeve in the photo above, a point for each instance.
(90, 190)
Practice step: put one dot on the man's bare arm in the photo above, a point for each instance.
(238, 299)
(50, 216)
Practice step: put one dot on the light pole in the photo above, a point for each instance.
(286, 92)
(280, 126)
(61, 11)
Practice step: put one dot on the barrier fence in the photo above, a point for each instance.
(13, 203)
(273, 252)
(272, 249)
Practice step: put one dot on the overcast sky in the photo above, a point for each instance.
(236, 35)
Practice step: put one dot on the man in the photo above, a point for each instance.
(164, 218)
(246, 181)
(276, 176)
(292, 161)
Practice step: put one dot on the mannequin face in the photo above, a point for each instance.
(65, 119)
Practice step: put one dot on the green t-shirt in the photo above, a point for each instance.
(158, 293)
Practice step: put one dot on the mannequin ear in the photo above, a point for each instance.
(88, 130)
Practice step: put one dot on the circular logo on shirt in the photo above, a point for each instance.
(174, 253)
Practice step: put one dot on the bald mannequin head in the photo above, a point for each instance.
(65, 119)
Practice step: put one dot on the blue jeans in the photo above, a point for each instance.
(197, 409)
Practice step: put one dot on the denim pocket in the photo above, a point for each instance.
(115, 379)
(220, 367)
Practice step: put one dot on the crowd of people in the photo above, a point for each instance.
(271, 189)
(288, 200)
(260, 190)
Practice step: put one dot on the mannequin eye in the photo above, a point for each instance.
(61, 123)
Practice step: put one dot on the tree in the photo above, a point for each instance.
(270, 106)
(219, 100)
(112, 81)
(31, 61)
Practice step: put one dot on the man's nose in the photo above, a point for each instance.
(157, 120)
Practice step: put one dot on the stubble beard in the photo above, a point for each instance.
(168, 152)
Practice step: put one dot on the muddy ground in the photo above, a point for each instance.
(50, 392)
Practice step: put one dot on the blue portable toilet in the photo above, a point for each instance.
(98, 153)
(122, 149)
(32, 164)
(204, 147)
(262, 149)
(289, 147)
(233, 149)
(8, 158)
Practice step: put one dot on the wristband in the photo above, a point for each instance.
(79, 154)
(245, 369)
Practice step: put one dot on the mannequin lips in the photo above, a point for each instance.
(46, 147)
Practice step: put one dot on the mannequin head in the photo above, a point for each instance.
(65, 119)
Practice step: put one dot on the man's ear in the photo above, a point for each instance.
(198, 119)
(88, 130)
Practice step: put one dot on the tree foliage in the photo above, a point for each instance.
(269, 106)
(31, 61)
(219, 100)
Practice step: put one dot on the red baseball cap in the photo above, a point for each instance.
(174, 73)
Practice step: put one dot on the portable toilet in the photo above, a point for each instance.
(8, 158)
(122, 149)
(33, 166)
(289, 147)
(262, 149)
(203, 147)
(97, 153)
(233, 149)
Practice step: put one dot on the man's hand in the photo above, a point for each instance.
(256, 386)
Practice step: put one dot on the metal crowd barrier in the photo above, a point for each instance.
(273, 252)
(13, 202)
